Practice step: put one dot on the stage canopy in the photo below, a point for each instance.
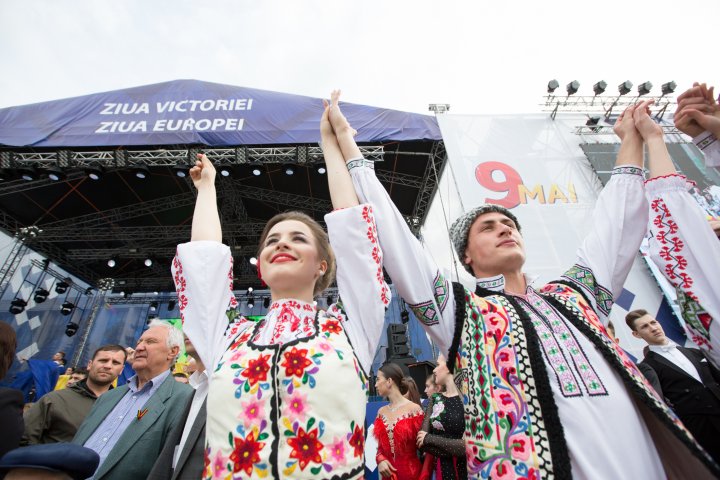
(49, 150)
(195, 112)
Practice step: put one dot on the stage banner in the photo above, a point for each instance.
(535, 167)
(185, 112)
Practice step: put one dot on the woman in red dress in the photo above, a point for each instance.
(396, 427)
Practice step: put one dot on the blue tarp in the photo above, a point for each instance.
(195, 112)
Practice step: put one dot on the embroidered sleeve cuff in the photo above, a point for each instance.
(628, 170)
(360, 162)
(667, 183)
(704, 140)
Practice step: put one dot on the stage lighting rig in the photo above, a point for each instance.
(644, 88)
(17, 306)
(94, 172)
(62, 286)
(625, 87)
(67, 308)
(140, 171)
(41, 295)
(572, 87)
(71, 329)
(668, 88)
(55, 173)
(27, 173)
(599, 87)
(552, 86)
(181, 169)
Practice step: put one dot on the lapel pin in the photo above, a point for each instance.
(141, 413)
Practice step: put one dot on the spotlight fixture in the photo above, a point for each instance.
(552, 85)
(55, 173)
(404, 316)
(148, 262)
(599, 87)
(625, 87)
(17, 306)
(111, 263)
(668, 88)
(71, 329)
(289, 169)
(67, 308)
(266, 302)
(250, 302)
(41, 295)
(63, 285)
(250, 290)
(321, 169)
(94, 173)
(153, 306)
(225, 170)
(27, 173)
(171, 305)
(572, 87)
(644, 88)
(88, 291)
(253, 261)
(256, 168)
(181, 169)
(140, 171)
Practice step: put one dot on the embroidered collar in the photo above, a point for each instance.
(293, 308)
(497, 282)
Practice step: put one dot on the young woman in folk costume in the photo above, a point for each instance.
(537, 368)
(397, 426)
(442, 434)
(287, 394)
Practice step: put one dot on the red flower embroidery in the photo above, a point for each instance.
(306, 447)
(295, 362)
(257, 370)
(246, 453)
(331, 326)
(357, 441)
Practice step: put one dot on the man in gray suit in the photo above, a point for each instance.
(128, 426)
(183, 455)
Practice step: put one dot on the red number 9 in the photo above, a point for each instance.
(509, 186)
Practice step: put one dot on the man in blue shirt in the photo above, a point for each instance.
(127, 426)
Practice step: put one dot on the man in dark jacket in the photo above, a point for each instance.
(57, 415)
(684, 377)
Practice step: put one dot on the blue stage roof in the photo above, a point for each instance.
(195, 112)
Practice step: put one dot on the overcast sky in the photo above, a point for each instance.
(480, 57)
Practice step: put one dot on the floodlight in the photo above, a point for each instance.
(111, 263)
(17, 306)
(94, 173)
(148, 262)
(320, 169)
(253, 261)
(250, 302)
(289, 169)
(250, 290)
(71, 329)
(55, 173)
(599, 87)
(225, 170)
(27, 173)
(644, 88)
(67, 308)
(140, 171)
(572, 87)
(63, 285)
(668, 88)
(41, 295)
(182, 170)
(153, 306)
(552, 85)
(625, 87)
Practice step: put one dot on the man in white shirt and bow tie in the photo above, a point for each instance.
(684, 377)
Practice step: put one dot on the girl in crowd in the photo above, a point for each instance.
(396, 426)
(286, 394)
(443, 428)
(412, 394)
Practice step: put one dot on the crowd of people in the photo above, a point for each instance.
(529, 385)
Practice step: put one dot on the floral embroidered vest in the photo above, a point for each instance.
(512, 426)
(295, 410)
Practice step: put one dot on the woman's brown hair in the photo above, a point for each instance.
(322, 243)
(8, 344)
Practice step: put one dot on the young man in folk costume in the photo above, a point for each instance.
(546, 391)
